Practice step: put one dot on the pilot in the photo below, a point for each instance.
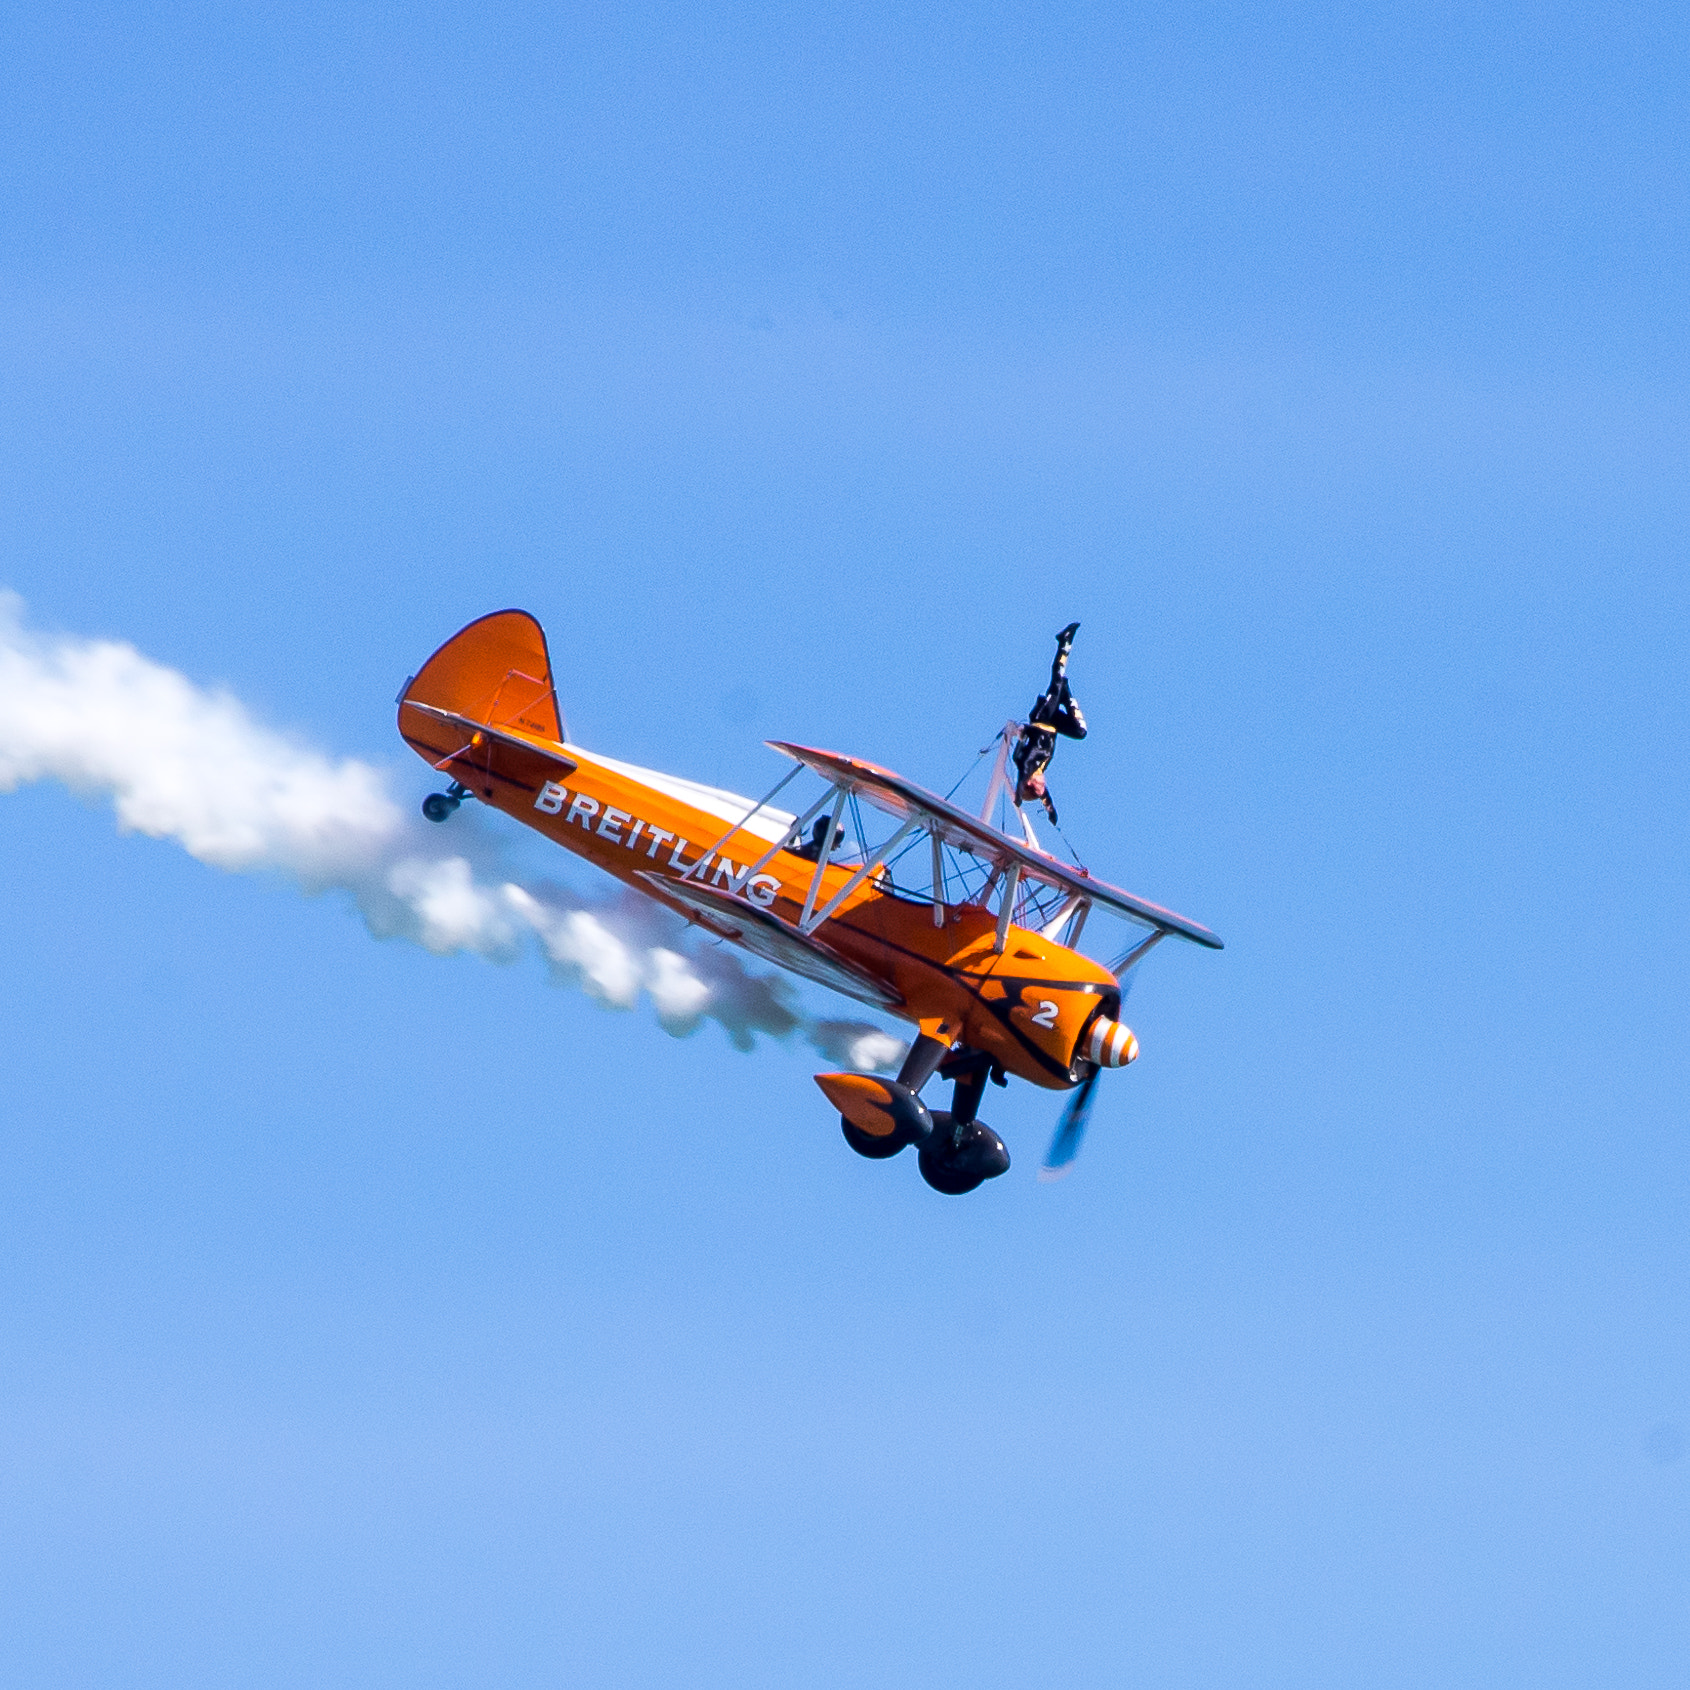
(1054, 712)
(812, 847)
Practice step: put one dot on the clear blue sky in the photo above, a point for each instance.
(373, 1319)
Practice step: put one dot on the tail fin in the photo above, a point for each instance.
(496, 671)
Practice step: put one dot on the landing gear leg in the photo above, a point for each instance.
(437, 806)
(970, 1087)
(925, 1056)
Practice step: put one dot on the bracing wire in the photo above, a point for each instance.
(1068, 845)
(985, 752)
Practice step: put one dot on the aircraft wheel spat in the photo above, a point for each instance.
(959, 1157)
(879, 1117)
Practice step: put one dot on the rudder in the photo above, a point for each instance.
(497, 671)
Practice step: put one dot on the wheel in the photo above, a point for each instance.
(957, 1159)
(866, 1144)
(942, 1177)
(437, 806)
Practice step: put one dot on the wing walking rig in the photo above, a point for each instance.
(948, 923)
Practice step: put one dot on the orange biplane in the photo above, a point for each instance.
(972, 939)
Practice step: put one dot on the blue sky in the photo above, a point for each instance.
(373, 1318)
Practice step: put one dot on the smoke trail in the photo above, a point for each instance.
(181, 762)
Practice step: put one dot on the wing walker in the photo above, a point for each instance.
(950, 922)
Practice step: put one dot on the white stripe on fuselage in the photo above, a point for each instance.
(769, 823)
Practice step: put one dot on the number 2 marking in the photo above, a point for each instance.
(1047, 1014)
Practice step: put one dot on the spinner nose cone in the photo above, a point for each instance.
(1111, 1044)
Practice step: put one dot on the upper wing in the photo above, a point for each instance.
(904, 799)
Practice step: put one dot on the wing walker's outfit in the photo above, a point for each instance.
(1055, 711)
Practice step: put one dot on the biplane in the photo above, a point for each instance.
(949, 922)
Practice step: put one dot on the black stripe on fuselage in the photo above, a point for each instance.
(972, 984)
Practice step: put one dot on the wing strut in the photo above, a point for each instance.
(1079, 927)
(1000, 770)
(1011, 885)
(805, 925)
(1069, 908)
(859, 877)
(1138, 953)
(793, 833)
(761, 804)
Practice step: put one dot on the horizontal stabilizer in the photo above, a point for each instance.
(486, 760)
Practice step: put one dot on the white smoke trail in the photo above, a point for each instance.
(180, 762)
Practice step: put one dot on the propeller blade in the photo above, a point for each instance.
(1070, 1129)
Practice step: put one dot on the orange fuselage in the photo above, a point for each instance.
(1026, 1004)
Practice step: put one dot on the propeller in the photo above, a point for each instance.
(1072, 1127)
